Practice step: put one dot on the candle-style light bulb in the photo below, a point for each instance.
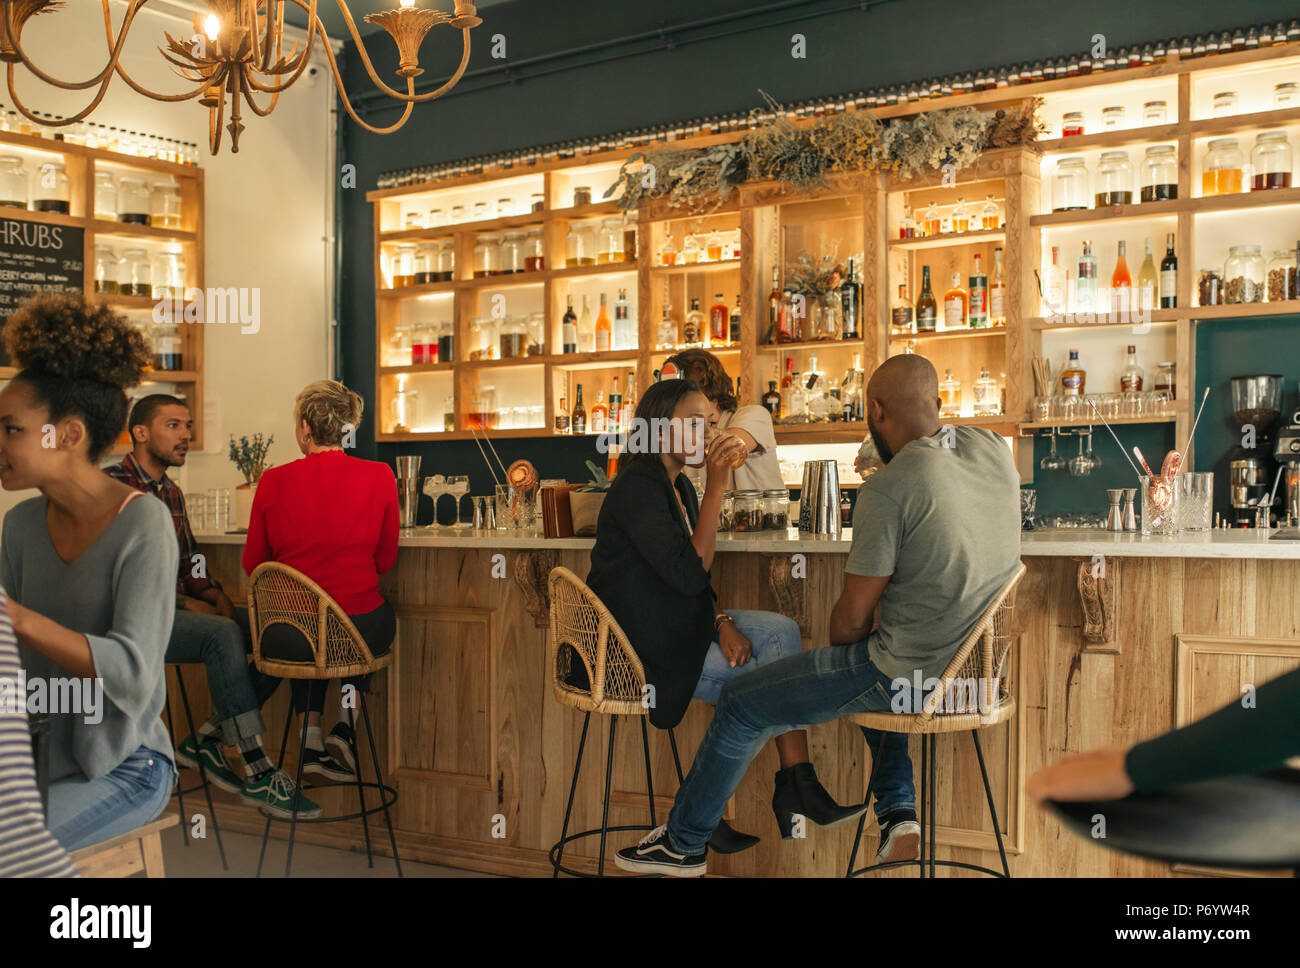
(408, 3)
(212, 26)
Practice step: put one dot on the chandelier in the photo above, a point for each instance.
(237, 55)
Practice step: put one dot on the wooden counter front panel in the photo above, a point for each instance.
(477, 745)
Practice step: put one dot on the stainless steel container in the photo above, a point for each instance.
(408, 490)
(1115, 517)
(819, 500)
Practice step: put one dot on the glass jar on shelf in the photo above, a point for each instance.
(397, 348)
(134, 273)
(691, 250)
(579, 246)
(1243, 275)
(512, 253)
(404, 266)
(487, 256)
(1159, 174)
(1112, 118)
(105, 196)
(1154, 112)
(106, 268)
(445, 269)
(776, 509)
(609, 242)
(167, 347)
(538, 201)
(132, 200)
(1223, 104)
(1071, 124)
(731, 245)
(436, 218)
(1281, 281)
(1164, 380)
(907, 225)
(482, 339)
(668, 253)
(402, 408)
(53, 189)
(534, 251)
(933, 223)
(449, 413)
(1221, 172)
(168, 274)
(13, 182)
(747, 511)
(457, 214)
(165, 205)
(949, 396)
(424, 343)
(1270, 161)
(426, 260)
(1209, 287)
(480, 213)
(581, 196)
(1286, 95)
(1069, 187)
(505, 207)
(512, 338)
(960, 217)
(536, 327)
(726, 511)
(713, 247)
(990, 218)
(1114, 180)
(482, 413)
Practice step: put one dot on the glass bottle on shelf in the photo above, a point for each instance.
(165, 205)
(480, 213)
(1121, 283)
(1281, 276)
(960, 217)
(693, 325)
(569, 329)
(424, 344)
(397, 351)
(624, 337)
(978, 317)
(1243, 275)
(562, 416)
(927, 310)
(578, 419)
(599, 413)
(1054, 284)
(719, 321)
(1073, 377)
(690, 251)
(907, 225)
(586, 329)
(1071, 123)
(534, 326)
(604, 331)
(901, 315)
(449, 413)
(505, 207)
(933, 224)
(1169, 275)
(1112, 118)
(579, 247)
(997, 292)
(133, 200)
(13, 182)
(733, 322)
(989, 217)
(135, 274)
(1085, 284)
(666, 332)
(401, 409)
(949, 396)
(457, 214)
(667, 253)
(852, 392)
(1270, 161)
(1154, 112)
(772, 400)
(713, 247)
(106, 268)
(987, 399)
(52, 191)
(609, 248)
(436, 218)
(1286, 95)
(1148, 284)
(105, 196)
(956, 305)
(1221, 171)
(1130, 378)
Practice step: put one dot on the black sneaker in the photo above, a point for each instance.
(338, 744)
(322, 764)
(900, 837)
(652, 855)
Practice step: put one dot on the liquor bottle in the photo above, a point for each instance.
(986, 394)
(774, 327)
(798, 398)
(570, 327)
(956, 304)
(960, 217)
(733, 323)
(998, 292)
(1130, 379)
(1147, 282)
(624, 337)
(1073, 377)
(562, 417)
(611, 461)
(979, 297)
(850, 304)
(852, 392)
(927, 310)
(578, 420)
(1085, 283)
(719, 317)
(901, 313)
(1054, 285)
(693, 326)
(1169, 275)
(1121, 284)
(666, 335)
(628, 409)
(949, 396)
(787, 384)
(772, 400)
(907, 225)
(791, 323)
(599, 413)
(989, 218)
(602, 328)
(586, 329)
(615, 422)
(933, 224)
(815, 389)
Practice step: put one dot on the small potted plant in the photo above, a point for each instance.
(250, 458)
(585, 501)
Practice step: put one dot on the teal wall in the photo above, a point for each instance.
(577, 69)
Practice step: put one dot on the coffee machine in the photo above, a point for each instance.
(1256, 403)
(1287, 454)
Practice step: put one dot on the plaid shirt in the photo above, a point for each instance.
(130, 472)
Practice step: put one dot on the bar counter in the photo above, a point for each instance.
(1122, 637)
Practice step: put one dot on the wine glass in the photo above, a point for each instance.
(458, 486)
(1053, 461)
(1094, 459)
(1080, 466)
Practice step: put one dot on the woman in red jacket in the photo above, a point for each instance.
(333, 518)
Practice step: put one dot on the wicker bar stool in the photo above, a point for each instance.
(980, 659)
(278, 593)
(580, 621)
(203, 783)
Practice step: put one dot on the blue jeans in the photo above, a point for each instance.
(815, 686)
(771, 636)
(84, 812)
(238, 690)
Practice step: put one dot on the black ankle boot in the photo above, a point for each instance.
(727, 840)
(798, 791)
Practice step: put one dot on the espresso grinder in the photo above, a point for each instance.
(1256, 403)
(1287, 454)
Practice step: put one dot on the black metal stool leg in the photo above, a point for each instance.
(649, 783)
(925, 779)
(365, 826)
(677, 760)
(862, 821)
(180, 792)
(573, 787)
(293, 816)
(934, 840)
(284, 744)
(604, 813)
(203, 773)
(993, 811)
(379, 777)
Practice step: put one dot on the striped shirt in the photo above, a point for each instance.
(27, 849)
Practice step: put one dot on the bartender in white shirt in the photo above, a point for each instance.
(752, 424)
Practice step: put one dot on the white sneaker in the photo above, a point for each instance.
(900, 840)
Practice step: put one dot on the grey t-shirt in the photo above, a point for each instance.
(121, 594)
(944, 524)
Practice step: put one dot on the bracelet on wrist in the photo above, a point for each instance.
(719, 620)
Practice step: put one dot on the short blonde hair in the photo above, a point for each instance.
(329, 408)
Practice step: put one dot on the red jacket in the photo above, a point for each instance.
(332, 517)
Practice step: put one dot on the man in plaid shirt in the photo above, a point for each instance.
(207, 628)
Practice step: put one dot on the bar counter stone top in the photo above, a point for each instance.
(1048, 543)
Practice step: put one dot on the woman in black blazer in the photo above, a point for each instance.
(654, 548)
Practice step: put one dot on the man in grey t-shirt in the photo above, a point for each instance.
(936, 535)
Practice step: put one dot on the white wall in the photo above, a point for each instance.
(269, 215)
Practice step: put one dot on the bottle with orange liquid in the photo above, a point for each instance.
(719, 321)
(1121, 284)
(602, 328)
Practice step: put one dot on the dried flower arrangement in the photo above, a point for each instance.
(250, 458)
(814, 279)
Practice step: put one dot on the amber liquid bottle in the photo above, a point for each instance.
(774, 310)
(602, 328)
(719, 321)
(927, 310)
(772, 400)
(578, 420)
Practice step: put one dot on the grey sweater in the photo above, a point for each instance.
(121, 593)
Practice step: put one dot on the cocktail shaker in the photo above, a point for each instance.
(819, 501)
(408, 490)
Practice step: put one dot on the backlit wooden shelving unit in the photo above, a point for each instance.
(81, 164)
(858, 215)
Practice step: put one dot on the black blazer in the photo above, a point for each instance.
(649, 575)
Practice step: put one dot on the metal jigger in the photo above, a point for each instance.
(1130, 509)
(478, 513)
(1115, 516)
(489, 513)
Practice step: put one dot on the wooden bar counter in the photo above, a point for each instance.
(1121, 638)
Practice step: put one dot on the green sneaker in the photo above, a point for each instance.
(215, 765)
(273, 792)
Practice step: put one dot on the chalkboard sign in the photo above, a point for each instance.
(37, 257)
